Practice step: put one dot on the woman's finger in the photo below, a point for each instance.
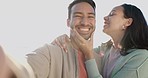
(91, 39)
(62, 41)
(75, 38)
(78, 36)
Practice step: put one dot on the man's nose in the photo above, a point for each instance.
(85, 21)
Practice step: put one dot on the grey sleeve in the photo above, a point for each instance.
(92, 69)
(135, 67)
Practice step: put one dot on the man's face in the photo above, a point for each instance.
(82, 18)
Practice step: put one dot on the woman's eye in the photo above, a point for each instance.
(111, 14)
(91, 17)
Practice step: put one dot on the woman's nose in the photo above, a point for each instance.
(106, 17)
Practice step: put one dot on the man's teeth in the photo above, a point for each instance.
(84, 29)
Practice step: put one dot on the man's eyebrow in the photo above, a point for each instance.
(77, 13)
(82, 13)
(91, 13)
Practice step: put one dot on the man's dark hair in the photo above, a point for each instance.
(91, 2)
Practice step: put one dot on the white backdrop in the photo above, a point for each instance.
(28, 24)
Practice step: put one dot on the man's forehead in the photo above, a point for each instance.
(82, 7)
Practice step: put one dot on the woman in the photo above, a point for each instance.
(126, 54)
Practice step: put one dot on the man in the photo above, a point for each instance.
(50, 61)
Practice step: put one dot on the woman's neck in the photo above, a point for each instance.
(117, 40)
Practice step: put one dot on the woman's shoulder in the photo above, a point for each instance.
(137, 56)
(135, 59)
(138, 52)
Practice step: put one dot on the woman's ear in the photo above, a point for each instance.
(129, 22)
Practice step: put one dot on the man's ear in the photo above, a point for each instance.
(129, 22)
(68, 22)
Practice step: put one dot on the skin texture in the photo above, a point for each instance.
(5, 71)
(82, 19)
(113, 26)
(82, 24)
(2, 61)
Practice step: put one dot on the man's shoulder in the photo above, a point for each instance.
(48, 48)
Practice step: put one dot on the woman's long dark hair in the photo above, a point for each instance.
(136, 35)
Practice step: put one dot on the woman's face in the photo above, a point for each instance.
(115, 21)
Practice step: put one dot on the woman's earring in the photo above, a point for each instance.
(123, 27)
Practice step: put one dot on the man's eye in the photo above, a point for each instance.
(77, 16)
(91, 17)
